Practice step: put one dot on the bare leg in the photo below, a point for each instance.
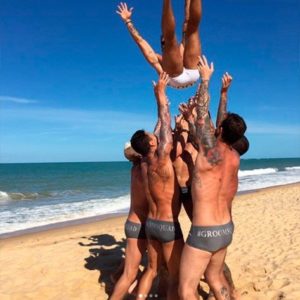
(192, 266)
(192, 40)
(154, 262)
(214, 275)
(172, 255)
(171, 58)
(117, 274)
(186, 18)
(135, 249)
(233, 292)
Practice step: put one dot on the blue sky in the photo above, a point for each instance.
(74, 86)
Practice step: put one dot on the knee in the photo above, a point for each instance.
(151, 271)
(193, 22)
(185, 292)
(213, 280)
(131, 274)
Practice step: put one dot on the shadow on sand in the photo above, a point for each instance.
(106, 256)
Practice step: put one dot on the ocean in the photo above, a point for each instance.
(39, 194)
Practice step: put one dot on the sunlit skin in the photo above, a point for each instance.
(135, 248)
(184, 156)
(164, 192)
(214, 185)
(175, 56)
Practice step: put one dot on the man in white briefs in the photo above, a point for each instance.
(179, 60)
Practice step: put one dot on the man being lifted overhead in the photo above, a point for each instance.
(178, 60)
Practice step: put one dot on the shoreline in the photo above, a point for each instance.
(99, 218)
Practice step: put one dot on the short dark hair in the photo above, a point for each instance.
(233, 127)
(140, 142)
(241, 145)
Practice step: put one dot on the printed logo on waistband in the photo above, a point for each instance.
(214, 233)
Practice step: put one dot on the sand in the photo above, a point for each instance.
(75, 262)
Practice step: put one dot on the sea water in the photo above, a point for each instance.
(46, 193)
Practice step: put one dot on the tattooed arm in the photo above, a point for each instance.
(165, 134)
(187, 110)
(152, 58)
(222, 111)
(180, 136)
(157, 128)
(205, 131)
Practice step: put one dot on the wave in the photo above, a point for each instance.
(29, 217)
(243, 173)
(6, 196)
(292, 168)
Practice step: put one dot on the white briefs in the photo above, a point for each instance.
(187, 78)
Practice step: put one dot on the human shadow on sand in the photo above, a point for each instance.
(106, 255)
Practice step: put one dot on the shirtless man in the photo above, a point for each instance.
(214, 185)
(183, 156)
(184, 167)
(163, 230)
(178, 60)
(134, 227)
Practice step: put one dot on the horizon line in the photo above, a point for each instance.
(110, 161)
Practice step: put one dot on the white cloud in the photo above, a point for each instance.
(54, 121)
(17, 100)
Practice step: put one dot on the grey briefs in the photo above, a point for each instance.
(135, 230)
(185, 194)
(163, 231)
(210, 238)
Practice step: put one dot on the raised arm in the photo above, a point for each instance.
(205, 131)
(222, 111)
(157, 127)
(165, 134)
(147, 51)
(180, 136)
(187, 110)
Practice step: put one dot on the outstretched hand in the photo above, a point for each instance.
(160, 85)
(204, 68)
(226, 81)
(186, 109)
(124, 12)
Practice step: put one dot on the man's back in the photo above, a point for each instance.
(164, 189)
(214, 187)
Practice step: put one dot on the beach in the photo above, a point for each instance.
(75, 262)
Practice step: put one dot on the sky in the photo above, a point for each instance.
(75, 87)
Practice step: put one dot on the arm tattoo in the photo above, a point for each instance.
(165, 129)
(146, 49)
(133, 31)
(205, 133)
(193, 134)
(202, 99)
(222, 110)
(157, 128)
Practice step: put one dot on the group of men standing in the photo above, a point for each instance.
(196, 165)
